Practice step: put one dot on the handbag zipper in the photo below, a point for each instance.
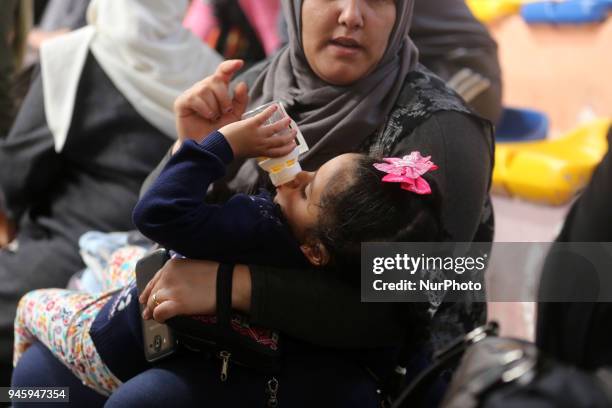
(225, 357)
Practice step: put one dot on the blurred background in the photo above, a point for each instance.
(559, 69)
(555, 60)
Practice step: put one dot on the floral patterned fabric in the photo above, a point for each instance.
(61, 320)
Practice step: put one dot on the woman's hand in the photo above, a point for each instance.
(188, 287)
(181, 286)
(207, 105)
(252, 137)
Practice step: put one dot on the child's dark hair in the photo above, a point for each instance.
(358, 207)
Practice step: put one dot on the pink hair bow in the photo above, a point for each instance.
(408, 171)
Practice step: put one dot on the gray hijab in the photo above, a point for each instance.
(335, 119)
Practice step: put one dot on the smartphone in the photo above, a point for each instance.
(159, 340)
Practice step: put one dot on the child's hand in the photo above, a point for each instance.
(207, 106)
(253, 138)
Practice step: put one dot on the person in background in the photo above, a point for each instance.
(15, 21)
(59, 17)
(459, 49)
(95, 122)
(245, 29)
(51, 18)
(579, 333)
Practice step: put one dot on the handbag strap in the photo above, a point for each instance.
(445, 359)
(225, 275)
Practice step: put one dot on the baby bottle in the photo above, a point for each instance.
(281, 169)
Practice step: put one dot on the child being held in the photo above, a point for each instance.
(320, 218)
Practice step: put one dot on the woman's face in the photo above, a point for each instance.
(300, 199)
(345, 39)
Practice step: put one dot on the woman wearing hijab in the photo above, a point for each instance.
(58, 17)
(94, 124)
(350, 78)
(460, 50)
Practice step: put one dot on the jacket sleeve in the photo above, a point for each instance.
(174, 213)
(312, 305)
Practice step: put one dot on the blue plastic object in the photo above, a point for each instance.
(521, 125)
(566, 12)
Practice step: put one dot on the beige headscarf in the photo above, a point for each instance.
(336, 119)
(143, 48)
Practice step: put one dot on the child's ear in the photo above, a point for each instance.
(316, 253)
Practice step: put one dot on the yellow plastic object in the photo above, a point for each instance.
(550, 171)
(489, 10)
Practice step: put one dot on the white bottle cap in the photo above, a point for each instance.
(286, 175)
(282, 169)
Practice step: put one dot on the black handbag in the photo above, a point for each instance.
(507, 373)
(228, 335)
(416, 393)
(499, 372)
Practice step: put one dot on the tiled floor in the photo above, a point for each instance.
(520, 221)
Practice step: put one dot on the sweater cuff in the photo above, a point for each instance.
(217, 144)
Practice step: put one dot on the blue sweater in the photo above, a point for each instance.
(246, 229)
